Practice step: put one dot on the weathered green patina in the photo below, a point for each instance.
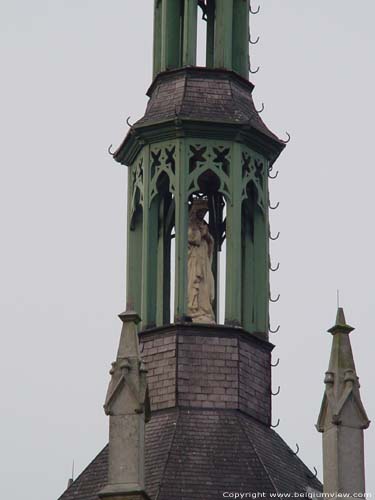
(201, 137)
(175, 34)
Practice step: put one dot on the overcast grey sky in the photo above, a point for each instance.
(71, 72)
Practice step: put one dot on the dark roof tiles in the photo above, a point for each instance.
(202, 94)
(199, 454)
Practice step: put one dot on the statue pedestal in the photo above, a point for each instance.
(192, 365)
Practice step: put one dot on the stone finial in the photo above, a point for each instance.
(342, 416)
(127, 404)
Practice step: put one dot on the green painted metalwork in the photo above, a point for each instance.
(176, 160)
(241, 35)
(233, 314)
(189, 49)
(161, 181)
(181, 225)
(157, 37)
(223, 34)
(209, 156)
(210, 40)
(149, 245)
(254, 170)
(261, 271)
(134, 240)
(166, 222)
(162, 163)
(171, 34)
(175, 34)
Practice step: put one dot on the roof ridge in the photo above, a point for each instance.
(168, 455)
(257, 454)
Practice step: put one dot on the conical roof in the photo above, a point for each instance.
(195, 454)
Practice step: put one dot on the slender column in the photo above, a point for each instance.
(181, 248)
(163, 268)
(261, 270)
(223, 34)
(210, 43)
(189, 51)
(134, 251)
(233, 233)
(150, 232)
(248, 269)
(157, 36)
(171, 34)
(241, 34)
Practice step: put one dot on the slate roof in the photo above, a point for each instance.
(202, 95)
(199, 454)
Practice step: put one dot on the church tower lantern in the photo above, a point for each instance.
(190, 410)
(200, 142)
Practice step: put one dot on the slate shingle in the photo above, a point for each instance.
(199, 454)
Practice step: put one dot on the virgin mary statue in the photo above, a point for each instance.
(201, 283)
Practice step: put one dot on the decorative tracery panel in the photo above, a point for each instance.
(162, 160)
(137, 186)
(209, 158)
(254, 170)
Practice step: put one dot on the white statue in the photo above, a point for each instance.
(201, 283)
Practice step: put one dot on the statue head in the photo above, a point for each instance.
(198, 209)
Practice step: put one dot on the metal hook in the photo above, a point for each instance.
(273, 176)
(276, 364)
(277, 425)
(274, 207)
(109, 150)
(288, 139)
(274, 269)
(274, 238)
(277, 392)
(275, 300)
(254, 12)
(315, 474)
(253, 72)
(261, 110)
(297, 450)
(274, 331)
(128, 122)
(256, 41)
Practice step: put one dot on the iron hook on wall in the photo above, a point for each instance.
(275, 300)
(297, 450)
(277, 425)
(315, 474)
(275, 206)
(274, 331)
(287, 140)
(109, 150)
(277, 392)
(274, 238)
(274, 269)
(273, 176)
(254, 12)
(254, 42)
(276, 364)
(260, 110)
(253, 72)
(128, 122)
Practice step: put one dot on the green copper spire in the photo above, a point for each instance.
(175, 34)
(201, 143)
